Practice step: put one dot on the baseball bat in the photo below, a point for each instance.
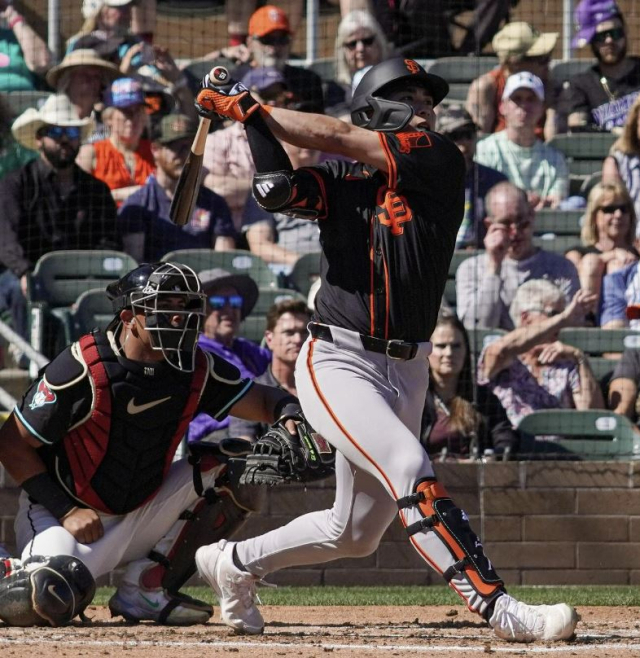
(184, 198)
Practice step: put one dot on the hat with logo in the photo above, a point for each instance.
(452, 118)
(268, 19)
(124, 92)
(55, 111)
(174, 127)
(588, 15)
(262, 78)
(523, 80)
(92, 7)
(217, 278)
(519, 39)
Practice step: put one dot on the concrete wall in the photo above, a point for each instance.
(542, 523)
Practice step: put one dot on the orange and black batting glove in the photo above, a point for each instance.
(231, 100)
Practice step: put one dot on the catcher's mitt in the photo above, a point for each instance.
(279, 456)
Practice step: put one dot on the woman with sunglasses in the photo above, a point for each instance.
(230, 298)
(608, 237)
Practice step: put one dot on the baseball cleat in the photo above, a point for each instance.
(235, 589)
(515, 621)
(138, 604)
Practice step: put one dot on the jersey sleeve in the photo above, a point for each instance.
(57, 400)
(225, 386)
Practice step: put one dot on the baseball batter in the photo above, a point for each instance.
(388, 224)
(92, 443)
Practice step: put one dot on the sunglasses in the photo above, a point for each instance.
(616, 33)
(218, 302)
(610, 209)
(366, 42)
(275, 40)
(58, 132)
(465, 134)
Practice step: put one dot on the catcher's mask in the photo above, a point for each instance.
(161, 292)
(369, 107)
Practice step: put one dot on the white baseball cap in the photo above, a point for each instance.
(525, 80)
(92, 7)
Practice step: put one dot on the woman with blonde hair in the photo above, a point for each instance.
(623, 161)
(608, 236)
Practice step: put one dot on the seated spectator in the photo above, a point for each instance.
(12, 153)
(620, 301)
(359, 44)
(286, 330)
(623, 162)
(49, 203)
(23, 53)
(624, 386)
(456, 422)
(600, 98)
(608, 236)
(148, 232)
(456, 123)
(525, 160)
(486, 284)
(230, 298)
(519, 47)
(529, 369)
(239, 12)
(123, 160)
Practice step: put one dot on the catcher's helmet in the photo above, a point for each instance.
(162, 291)
(370, 109)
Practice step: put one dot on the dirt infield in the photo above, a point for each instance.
(309, 632)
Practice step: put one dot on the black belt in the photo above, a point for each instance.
(394, 349)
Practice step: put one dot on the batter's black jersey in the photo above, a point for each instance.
(387, 240)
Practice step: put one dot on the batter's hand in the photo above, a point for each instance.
(221, 95)
(84, 524)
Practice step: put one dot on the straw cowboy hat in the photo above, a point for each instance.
(519, 39)
(56, 111)
(82, 57)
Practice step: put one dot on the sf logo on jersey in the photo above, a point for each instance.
(392, 210)
(44, 395)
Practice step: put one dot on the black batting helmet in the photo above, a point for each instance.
(151, 290)
(370, 109)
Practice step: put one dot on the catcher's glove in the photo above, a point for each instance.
(279, 456)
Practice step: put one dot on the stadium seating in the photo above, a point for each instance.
(92, 310)
(563, 69)
(19, 101)
(460, 72)
(304, 272)
(594, 341)
(558, 222)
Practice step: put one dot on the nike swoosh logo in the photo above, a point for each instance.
(52, 590)
(133, 408)
(153, 604)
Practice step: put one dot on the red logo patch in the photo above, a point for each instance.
(410, 141)
(394, 212)
(44, 395)
(412, 67)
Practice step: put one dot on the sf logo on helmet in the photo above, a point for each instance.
(412, 66)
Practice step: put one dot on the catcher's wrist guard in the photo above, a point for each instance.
(280, 456)
(231, 100)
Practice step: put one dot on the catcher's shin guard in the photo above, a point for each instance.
(463, 563)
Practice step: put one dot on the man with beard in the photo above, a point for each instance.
(285, 334)
(144, 217)
(600, 98)
(49, 203)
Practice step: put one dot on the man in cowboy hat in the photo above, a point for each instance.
(49, 203)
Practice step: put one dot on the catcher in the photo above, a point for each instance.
(92, 446)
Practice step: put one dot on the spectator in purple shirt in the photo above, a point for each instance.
(230, 298)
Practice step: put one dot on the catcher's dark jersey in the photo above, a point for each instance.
(110, 426)
(387, 240)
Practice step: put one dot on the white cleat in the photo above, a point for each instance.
(515, 621)
(235, 589)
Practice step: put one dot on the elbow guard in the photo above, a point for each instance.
(273, 190)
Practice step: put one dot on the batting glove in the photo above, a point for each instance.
(230, 100)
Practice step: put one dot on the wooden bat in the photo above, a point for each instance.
(188, 185)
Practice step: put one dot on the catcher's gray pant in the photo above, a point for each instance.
(369, 407)
(127, 538)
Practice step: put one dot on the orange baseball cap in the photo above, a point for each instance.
(268, 19)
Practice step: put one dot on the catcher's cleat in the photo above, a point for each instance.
(235, 589)
(515, 621)
(171, 609)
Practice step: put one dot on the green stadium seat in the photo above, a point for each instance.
(558, 222)
(304, 272)
(92, 310)
(558, 244)
(562, 70)
(462, 69)
(595, 341)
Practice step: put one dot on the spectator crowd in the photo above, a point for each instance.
(95, 165)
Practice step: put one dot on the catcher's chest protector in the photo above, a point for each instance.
(120, 455)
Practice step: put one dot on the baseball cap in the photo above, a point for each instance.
(453, 118)
(268, 19)
(263, 77)
(588, 15)
(124, 92)
(519, 39)
(173, 127)
(92, 7)
(525, 80)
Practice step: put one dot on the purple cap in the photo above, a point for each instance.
(588, 15)
(124, 92)
(263, 77)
